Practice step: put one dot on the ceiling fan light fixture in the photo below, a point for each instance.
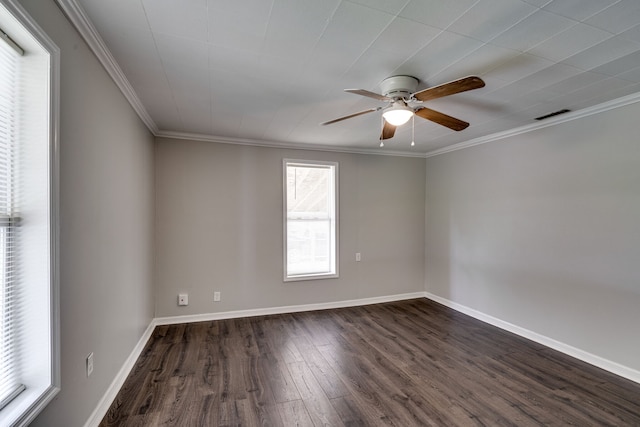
(397, 114)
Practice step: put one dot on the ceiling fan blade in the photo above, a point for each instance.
(339, 119)
(462, 85)
(369, 94)
(441, 119)
(388, 130)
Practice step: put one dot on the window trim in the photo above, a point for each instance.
(336, 234)
(24, 408)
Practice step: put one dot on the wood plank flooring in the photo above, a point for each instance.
(408, 363)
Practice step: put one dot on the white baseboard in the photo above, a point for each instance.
(285, 309)
(103, 406)
(600, 362)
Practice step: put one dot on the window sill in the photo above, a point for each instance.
(303, 277)
(24, 408)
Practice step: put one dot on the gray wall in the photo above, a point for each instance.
(219, 227)
(106, 212)
(542, 230)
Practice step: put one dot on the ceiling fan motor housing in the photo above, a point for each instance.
(399, 86)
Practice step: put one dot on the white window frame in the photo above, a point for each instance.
(335, 223)
(41, 346)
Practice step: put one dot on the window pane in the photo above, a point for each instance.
(308, 248)
(308, 191)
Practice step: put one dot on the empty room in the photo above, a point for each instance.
(305, 212)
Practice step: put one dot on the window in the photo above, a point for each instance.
(310, 220)
(29, 362)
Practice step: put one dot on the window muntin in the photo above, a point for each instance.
(310, 218)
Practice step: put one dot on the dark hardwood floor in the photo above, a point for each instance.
(408, 363)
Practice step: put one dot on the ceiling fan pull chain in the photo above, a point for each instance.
(413, 130)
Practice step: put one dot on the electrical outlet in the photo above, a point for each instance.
(358, 257)
(216, 296)
(183, 299)
(89, 364)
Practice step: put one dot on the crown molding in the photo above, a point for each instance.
(83, 24)
(81, 21)
(568, 117)
(286, 145)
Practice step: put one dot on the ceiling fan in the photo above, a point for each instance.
(405, 102)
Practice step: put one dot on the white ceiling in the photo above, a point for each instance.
(269, 71)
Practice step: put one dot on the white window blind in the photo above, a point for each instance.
(310, 220)
(10, 385)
